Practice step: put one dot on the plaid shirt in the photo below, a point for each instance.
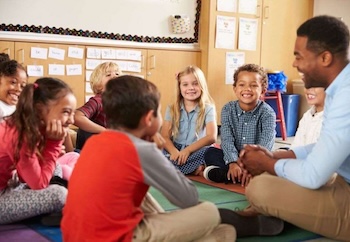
(239, 127)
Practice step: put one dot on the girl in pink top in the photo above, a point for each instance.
(31, 144)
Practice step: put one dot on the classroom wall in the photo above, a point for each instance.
(337, 8)
(130, 17)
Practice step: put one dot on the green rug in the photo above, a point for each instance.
(226, 199)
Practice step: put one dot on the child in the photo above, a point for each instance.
(190, 123)
(13, 79)
(114, 188)
(4, 57)
(247, 120)
(90, 118)
(31, 140)
(309, 127)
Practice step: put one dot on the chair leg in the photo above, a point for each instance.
(281, 115)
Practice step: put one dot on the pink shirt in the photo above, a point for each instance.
(31, 170)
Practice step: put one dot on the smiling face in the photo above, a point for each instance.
(248, 89)
(12, 86)
(62, 109)
(308, 64)
(315, 96)
(189, 87)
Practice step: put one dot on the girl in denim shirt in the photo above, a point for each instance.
(190, 122)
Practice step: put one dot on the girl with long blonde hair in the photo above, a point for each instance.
(190, 126)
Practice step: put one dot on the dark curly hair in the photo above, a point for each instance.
(252, 68)
(9, 68)
(4, 57)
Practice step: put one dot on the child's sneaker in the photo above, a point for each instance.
(215, 174)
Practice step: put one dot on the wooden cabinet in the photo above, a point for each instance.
(7, 47)
(280, 20)
(277, 25)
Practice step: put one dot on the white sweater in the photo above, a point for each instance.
(6, 110)
(309, 128)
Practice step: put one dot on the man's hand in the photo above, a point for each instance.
(256, 148)
(256, 160)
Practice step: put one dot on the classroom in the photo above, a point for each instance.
(155, 40)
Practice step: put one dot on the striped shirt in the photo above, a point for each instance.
(93, 110)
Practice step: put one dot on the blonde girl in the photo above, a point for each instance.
(190, 122)
(90, 118)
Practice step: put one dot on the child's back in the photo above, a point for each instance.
(123, 187)
(107, 191)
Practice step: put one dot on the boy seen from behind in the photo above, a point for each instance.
(247, 120)
(116, 169)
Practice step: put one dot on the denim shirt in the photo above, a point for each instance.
(187, 127)
(316, 163)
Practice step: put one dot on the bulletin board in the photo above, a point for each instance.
(130, 20)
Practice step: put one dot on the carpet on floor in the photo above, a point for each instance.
(20, 232)
(230, 186)
(225, 197)
(222, 197)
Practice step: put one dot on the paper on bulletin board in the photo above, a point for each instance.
(134, 66)
(91, 64)
(56, 53)
(88, 75)
(75, 52)
(93, 53)
(74, 70)
(233, 61)
(108, 54)
(128, 55)
(134, 55)
(35, 70)
(88, 88)
(247, 6)
(123, 65)
(56, 69)
(121, 54)
(38, 53)
(225, 32)
(248, 30)
(227, 5)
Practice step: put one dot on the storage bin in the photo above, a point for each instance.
(291, 111)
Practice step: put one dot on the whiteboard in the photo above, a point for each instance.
(128, 17)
